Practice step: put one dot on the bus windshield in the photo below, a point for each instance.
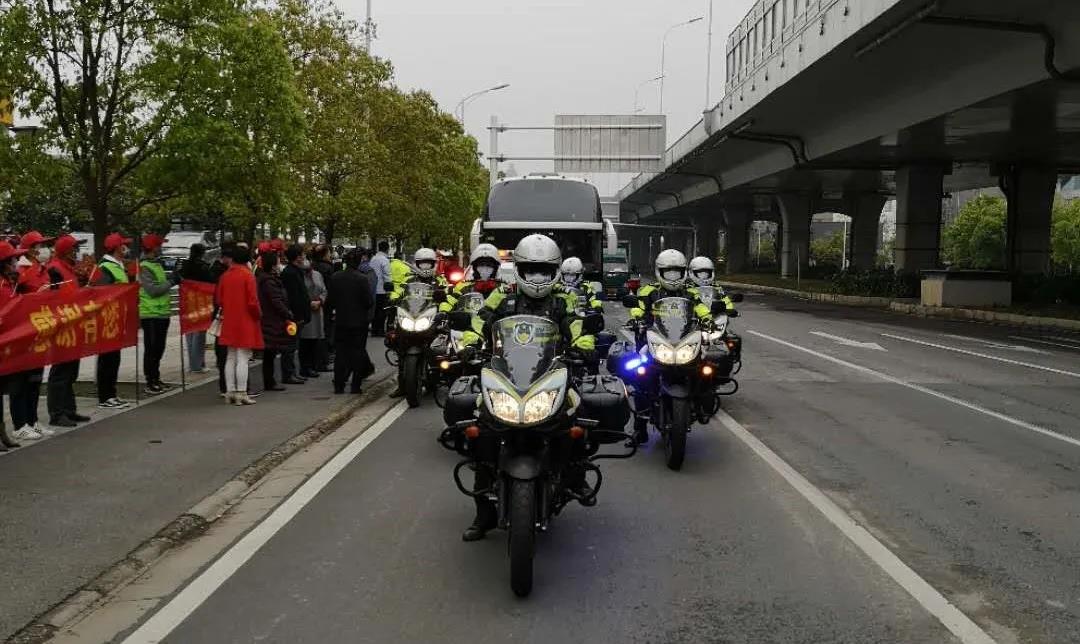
(543, 200)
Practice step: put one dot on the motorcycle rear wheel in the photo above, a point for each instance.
(522, 536)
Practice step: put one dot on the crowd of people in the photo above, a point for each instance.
(303, 310)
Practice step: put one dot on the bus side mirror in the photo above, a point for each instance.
(460, 320)
(736, 297)
(630, 301)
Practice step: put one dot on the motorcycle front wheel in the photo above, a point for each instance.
(522, 535)
(412, 378)
(675, 447)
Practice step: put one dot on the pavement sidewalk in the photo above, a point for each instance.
(73, 505)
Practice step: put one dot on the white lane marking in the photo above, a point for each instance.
(848, 342)
(997, 345)
(1046, 342)
(1029, 365)
(959, 624)
(925, 390)
(1064, 338)
(194, 594)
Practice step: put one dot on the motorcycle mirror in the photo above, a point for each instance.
(629, 300)
(736, 297)
(460, 320)
(439, 296)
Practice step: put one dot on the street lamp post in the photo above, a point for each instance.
(638, 89)
(663, 55)
(463, 102)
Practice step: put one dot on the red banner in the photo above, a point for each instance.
(51, 327)
(196, 306)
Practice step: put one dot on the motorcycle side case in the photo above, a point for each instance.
(461, 400)
(603, 399)
(617, 356)
(723, 360)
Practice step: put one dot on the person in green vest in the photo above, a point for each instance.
(154, 310)
(110, 270)
(399, 271)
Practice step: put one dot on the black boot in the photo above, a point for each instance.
(641, 431)
(484, 521)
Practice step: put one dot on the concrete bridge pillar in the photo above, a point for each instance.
(918, 217)
(795, 211)
(1030, 192)
(865, 212)
(737, 239)
(708, 233)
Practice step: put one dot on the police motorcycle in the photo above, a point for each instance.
(447, 360)
(534, 429)
(676, 376)
(722, 331)
(410, 340)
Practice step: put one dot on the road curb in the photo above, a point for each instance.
(190, 524)
(911, 308)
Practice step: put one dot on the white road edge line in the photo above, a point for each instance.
(1018, 363)
(162, 623)
(1046, 342)
(929, 392)
(959, 624)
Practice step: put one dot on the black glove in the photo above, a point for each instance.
(466, 354)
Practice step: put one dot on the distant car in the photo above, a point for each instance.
(178, 246)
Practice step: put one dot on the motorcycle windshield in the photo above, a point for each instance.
(471, 302)
(418, 298)
(707, 295)
(674, 318)
(525, 347)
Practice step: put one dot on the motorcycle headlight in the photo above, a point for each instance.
(503, 406)
(544, 398)
(689, 348)
(424, 322)
(662, 351)
(404, 321)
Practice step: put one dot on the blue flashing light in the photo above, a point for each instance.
(633, 364)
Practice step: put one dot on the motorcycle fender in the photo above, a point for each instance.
(414, 350)
(522, 467)
(675, 390)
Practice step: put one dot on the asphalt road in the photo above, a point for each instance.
(962, 459)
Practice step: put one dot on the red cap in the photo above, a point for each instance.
(152, 241)
(7, 251)
(64, 243)
(114, 241)
(264, 247)
(277, 245)
(34, 237)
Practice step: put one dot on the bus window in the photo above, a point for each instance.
(543, 200)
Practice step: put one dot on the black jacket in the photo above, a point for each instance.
(350, 298)
(296, 291)
(196, 270)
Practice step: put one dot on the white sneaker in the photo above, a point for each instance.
(27, 433)
(43, 430)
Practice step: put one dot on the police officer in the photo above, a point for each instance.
(702, 272)
(536, 261)
(424, 262)
(671, 277)
(485, 266)
(572, 281)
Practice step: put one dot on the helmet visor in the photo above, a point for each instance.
(672, 274)
(425, 264)
(536, 273)
(484, 269)
(703, 274)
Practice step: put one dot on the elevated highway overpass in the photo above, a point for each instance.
(838, 105)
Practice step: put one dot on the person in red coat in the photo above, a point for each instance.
(241, 330)
(25, 387)
(60, 394)
(9, 291)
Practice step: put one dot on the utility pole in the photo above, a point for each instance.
(369, 29)
(708, 60)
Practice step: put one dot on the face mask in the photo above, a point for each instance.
(672, 275)
(484, 272)
(44, 254)
(425, 266)
(571, 279)
(534, 277)
(703, 275)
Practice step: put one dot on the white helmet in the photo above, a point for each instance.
(671, 269)
(424, 262)
(702, 271)
(484, 259)
(536, 260)
(571, 271)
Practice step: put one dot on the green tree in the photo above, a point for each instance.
(976, 238)
(112, 80)
(1065, 237)
(828, 250)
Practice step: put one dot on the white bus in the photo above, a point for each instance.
(567, 209)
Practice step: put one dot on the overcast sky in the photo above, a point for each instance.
(559, 56)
